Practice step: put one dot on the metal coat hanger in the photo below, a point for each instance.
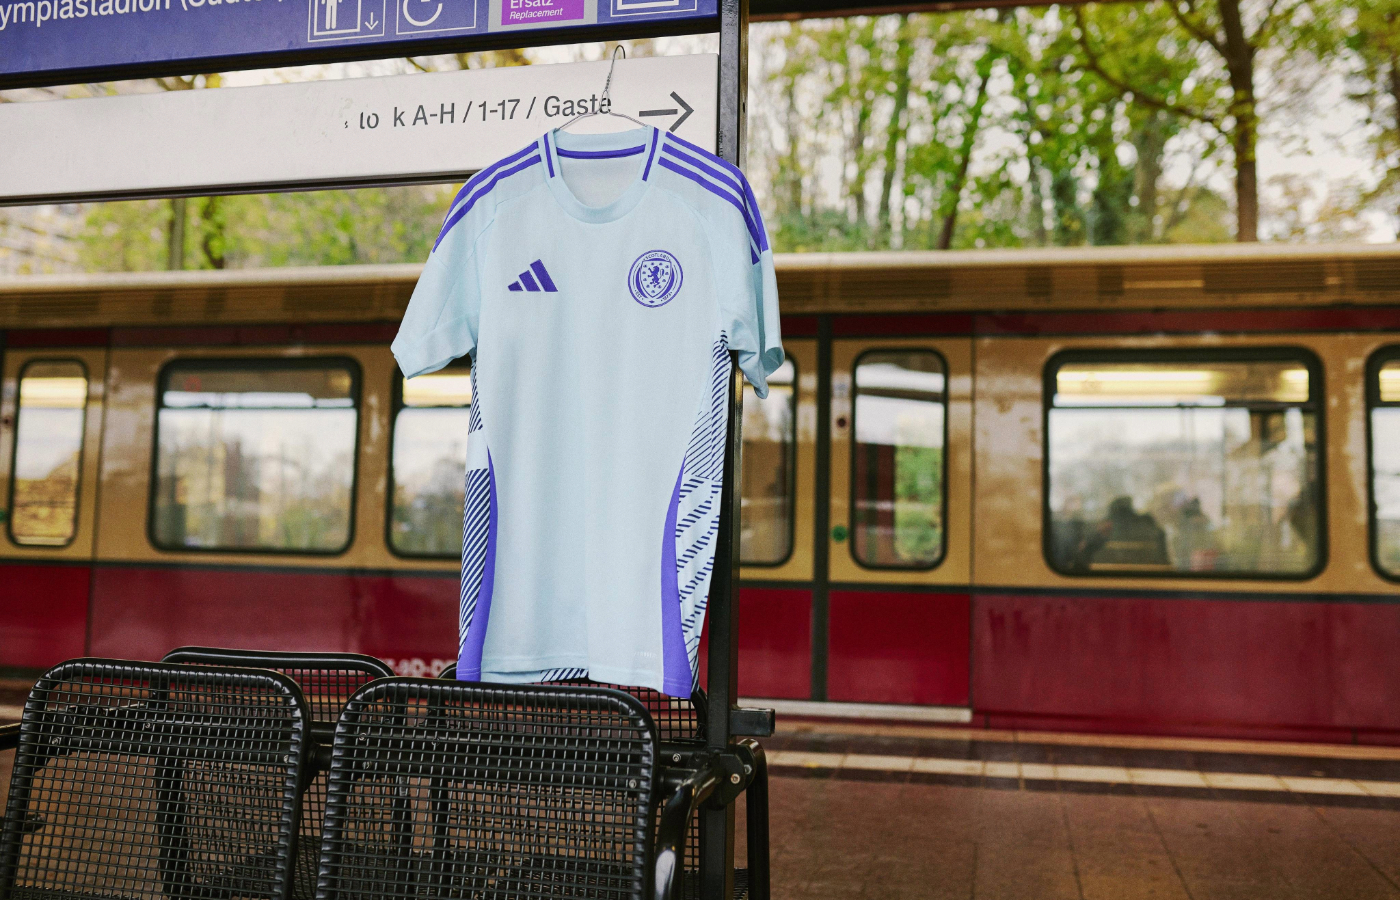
(606, 98)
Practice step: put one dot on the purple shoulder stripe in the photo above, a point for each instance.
(466, 207)
(718, 183)
(705, 154)
(480, 177)
(742, 185)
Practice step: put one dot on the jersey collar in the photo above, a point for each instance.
(640, 142)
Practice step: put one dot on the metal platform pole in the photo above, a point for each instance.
(716, 863)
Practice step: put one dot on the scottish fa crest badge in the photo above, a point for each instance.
(655, 278)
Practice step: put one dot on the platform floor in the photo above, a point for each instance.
(862, 810)
(835, 838)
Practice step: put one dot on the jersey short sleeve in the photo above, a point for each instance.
(444, 314)
(749, 306)
(746, 285)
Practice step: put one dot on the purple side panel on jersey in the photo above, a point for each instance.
(676, 678)
(469, 662)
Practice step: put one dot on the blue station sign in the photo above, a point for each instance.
(50, 41)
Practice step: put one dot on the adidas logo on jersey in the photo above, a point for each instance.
(535, 279)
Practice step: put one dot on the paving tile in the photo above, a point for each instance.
(800, 758)
(1117, 850)
(1307, 855)
(1002, 770)
(1233, 781)
(1373, 834)
(1023, 847)
(1038, 771)
(1214, 853)
(1167, 777)
(881, 763)
(937, 766)
(1322, 786)
(1380, 788)
(1101, 774)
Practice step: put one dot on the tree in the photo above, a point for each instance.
(949, 118)
(176, 237)
(1215, 45)
(1371, 30)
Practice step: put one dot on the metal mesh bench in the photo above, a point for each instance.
(327, 681)
(453, 791)
(142, 780)
(680, 725)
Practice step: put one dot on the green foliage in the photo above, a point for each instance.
(373, 225)
(918, 503)
(1088, 124)
(320, 228)
(1370, 31)
(1111, 123)
(125, 237)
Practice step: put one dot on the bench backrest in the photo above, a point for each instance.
(151, 780)
(327, 680)
(451, 791)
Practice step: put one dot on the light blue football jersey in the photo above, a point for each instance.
(598, 283)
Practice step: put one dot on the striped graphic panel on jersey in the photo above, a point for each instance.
(697, 509)
(574, 674)
(478, 553)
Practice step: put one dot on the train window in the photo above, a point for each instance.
(429, 463)
(255, 455)
(770, 445)
(1184, 465)
(897, 471)
(1384, 394)
(48, 453)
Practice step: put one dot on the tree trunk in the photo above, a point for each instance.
(1239, 61)
(856, 189)
(1246, 185)
(1395, 99)
(791, 165)
(175, 235)
(860, 159)
(213, 238)
(1150, 142)
(969, 140)
(903, 57)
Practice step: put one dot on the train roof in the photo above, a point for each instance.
(1195, 276)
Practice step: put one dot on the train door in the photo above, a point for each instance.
(776, 549)
(893, 624)
(51, 409)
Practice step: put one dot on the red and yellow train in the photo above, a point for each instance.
(1137, 489)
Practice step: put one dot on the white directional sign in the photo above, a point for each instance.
(430, 127)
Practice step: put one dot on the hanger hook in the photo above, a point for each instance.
(607, 85)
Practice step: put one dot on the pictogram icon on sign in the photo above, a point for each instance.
(346, 19)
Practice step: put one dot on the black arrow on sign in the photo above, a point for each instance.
(671, 112)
